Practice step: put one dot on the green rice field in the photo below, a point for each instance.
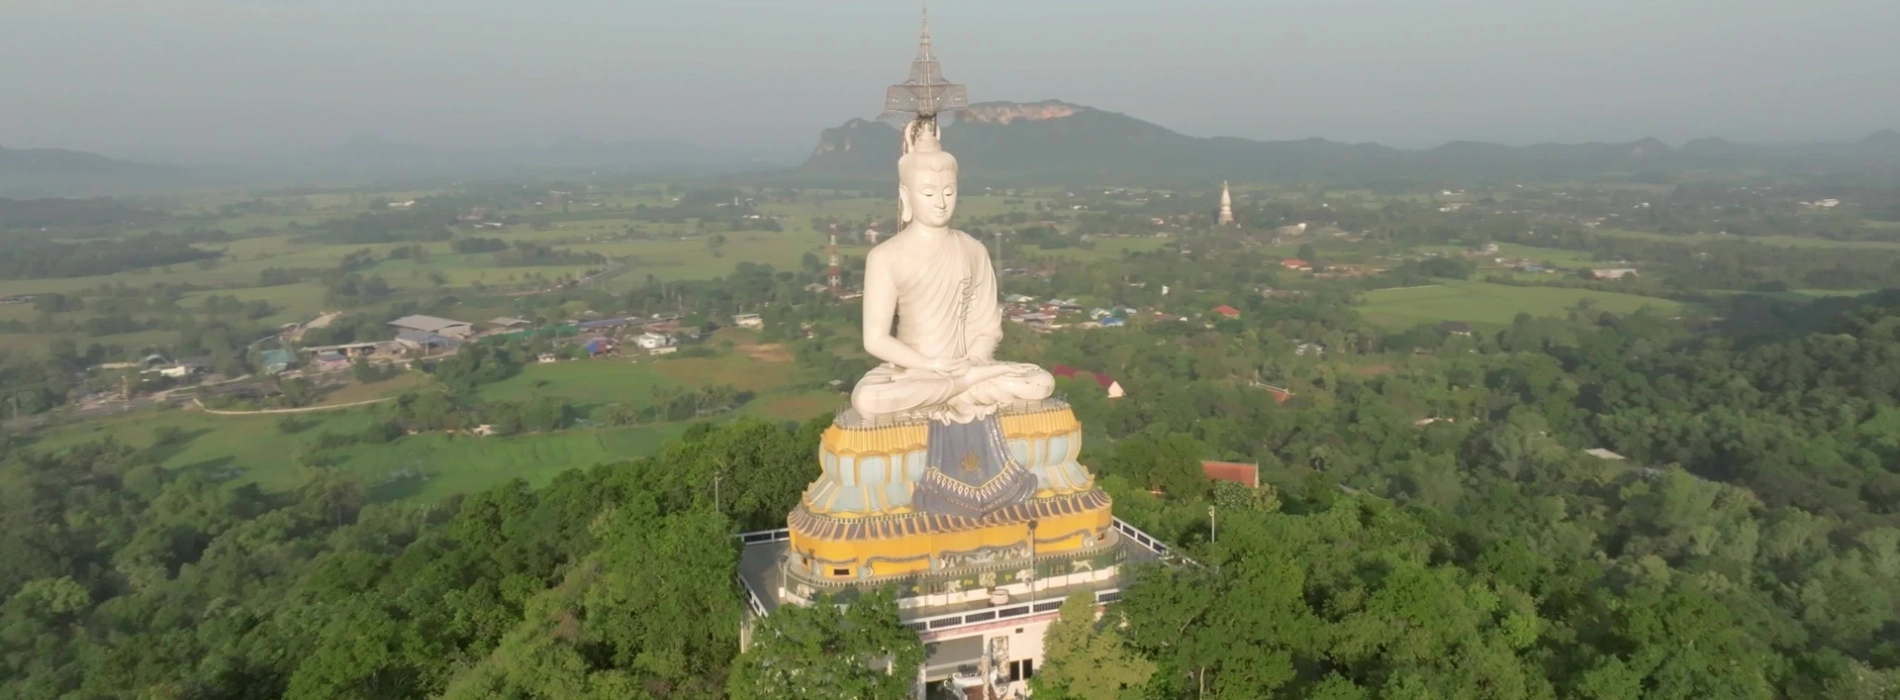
(1491, 304)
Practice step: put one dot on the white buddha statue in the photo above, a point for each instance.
(938, 284)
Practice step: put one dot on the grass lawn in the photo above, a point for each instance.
(591, 384)
(1493, 304)
(393, 386)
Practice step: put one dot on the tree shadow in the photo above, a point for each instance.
(1754, 319)
(218, 469)
(292, 425)
(160, 453)
(397, 489)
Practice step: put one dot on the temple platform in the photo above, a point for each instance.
(858, 521)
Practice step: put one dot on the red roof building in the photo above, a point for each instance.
(1227, 311)
(1296, 264)
(1247, 475)
(1109, 385)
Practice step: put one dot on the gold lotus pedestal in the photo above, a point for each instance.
(862, 520)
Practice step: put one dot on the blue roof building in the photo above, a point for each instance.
(276, 361)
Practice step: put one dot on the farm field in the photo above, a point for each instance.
(237, 274)
(1561, 257)
(1784, 241)
(594, 384)
(254, 450)
(1490, 304)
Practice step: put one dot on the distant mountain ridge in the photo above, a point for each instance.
(59, 162)
(1052, 141)
(373, 153)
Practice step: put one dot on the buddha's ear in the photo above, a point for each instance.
(903, 203)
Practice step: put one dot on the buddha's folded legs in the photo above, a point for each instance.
(889, 389)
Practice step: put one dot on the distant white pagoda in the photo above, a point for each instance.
(1226, 205)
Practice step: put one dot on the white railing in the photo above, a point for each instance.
(1151, 543)
(763, 536)
(749, 539)
(1006, 611)
(752, 599)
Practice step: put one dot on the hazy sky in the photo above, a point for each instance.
(299, 74)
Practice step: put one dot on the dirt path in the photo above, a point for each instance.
(769, 352)
(267, 411)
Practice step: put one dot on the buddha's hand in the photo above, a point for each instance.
(950, 367)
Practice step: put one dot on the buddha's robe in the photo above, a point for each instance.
(946, 302)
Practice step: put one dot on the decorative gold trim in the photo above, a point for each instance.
(899, 439)
(1041, 424)
(830, 526)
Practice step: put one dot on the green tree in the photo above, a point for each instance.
(1085, 659)
(825, 651)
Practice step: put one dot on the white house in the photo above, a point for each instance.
(656, 343)
(748, 321)
(651, 341)
(1613, 273)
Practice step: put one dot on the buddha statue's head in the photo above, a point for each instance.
(927, 182)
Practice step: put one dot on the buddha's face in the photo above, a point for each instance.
(931, 194)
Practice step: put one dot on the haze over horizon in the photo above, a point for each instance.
(295, 75)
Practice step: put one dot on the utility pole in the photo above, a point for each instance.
(1213, 527)
(999, 250)
(1032, 560)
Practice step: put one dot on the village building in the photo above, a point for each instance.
(1227, 311)
(748, 321)
(656, 343)
(275, 361)
(331, 361)
(1247, 475)
(507, 323)
(1613, 273)
(1113, 389)
(603, 323)
(353, 350)
(1279, 394)
(432, 324)
(426, 343)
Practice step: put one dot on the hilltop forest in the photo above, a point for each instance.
(1748, 548)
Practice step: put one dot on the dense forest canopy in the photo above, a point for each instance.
(64, 213)
(32, 257)
(1748, 548)
(1432, 524)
